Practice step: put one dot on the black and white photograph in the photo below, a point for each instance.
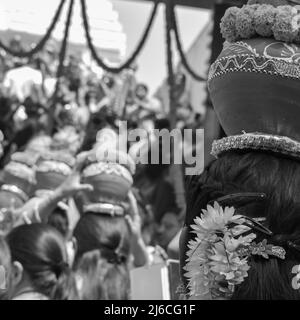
(149, 153)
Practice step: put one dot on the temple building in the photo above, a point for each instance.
(31, 18)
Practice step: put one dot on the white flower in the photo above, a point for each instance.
(216, 219)
(213, 257)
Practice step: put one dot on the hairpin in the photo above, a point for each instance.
(293, 245)
(239, 199)
(255, 224)
(263, 249)
(219, 227)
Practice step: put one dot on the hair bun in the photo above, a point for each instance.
(117, 259)
(113, 256)
(60, 268)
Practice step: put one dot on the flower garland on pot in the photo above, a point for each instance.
(262, 20)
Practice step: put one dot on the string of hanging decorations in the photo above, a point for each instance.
(180, 48)
(176, 172)
(127, 64)
(171, 27)
(41, 44)
(59, 72)
(64, 46)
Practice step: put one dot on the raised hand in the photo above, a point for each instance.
(134, 219)
(73, 184)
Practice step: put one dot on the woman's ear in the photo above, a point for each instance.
(17, 271)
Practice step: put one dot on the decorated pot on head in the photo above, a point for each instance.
(109, 170)
(254, 83)
(39, 144)
(18, 179)
(254, 88)
(66, 139)
(52, 168)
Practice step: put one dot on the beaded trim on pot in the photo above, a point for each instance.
(21, 171)
(27, 158)
(107, 168)
(105, 209)
(43, 193)
(255, 64)
(112, 156)
(53, 166)
(56, 156)
(257, 141)
(16, 190)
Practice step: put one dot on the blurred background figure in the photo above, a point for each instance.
(77, 221)
(39, 266)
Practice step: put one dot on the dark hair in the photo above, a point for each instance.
(279, 178)
(101, 279)
(143, 86)
(104, 118)
(41, 251)
(59, 220)
(102, 257)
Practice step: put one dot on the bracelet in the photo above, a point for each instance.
(25, 218)
(37, 213)
(105, 209)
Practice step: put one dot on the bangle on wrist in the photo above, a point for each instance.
(37, 213)
(26, 218)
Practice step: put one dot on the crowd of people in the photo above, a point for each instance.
(74, 224)
(79, 215)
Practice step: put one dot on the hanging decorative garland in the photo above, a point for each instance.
(170, 68)
(64, 45)
(171, 26)
(42, 42)
(181, 51)
(132, 58)
(176, 170)
(62, 56)
(99, 60)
